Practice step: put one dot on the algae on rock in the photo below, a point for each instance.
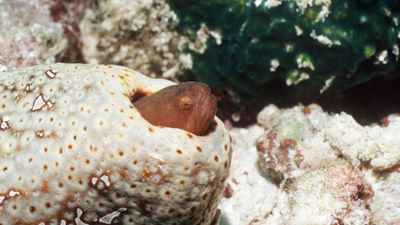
(315, 44)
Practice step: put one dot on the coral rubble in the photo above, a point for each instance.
(28, 35)
(292, 145)
(385, 203)
(331, 194)
(328, 167)
(139, 34)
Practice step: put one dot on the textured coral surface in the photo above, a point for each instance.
(75, 150)
(139, 34)
(28, 35)
(327, 167)
(385, 204)
(332, 194)
(291, 144)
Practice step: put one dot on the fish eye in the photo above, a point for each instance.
(185, 103)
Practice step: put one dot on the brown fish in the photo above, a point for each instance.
(189, 106)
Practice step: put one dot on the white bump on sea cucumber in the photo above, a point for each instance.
(39, 133)
(49, 104)
(106, 180)
(50, 74)
(94, 180)
(13, 193)
(39, 103)
(28, 88)
(107, 219)
(4, 125)
(78, 220)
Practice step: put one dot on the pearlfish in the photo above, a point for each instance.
(189, 106)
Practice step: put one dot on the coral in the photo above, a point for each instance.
(74, 149)
(291, 145)
(28, 34)
(331, 194)
(316, 45)
(248, 196)
(385, 203)
(338, 144)
(139, 34)
(374, 145)
(330, 170)
(69, 13)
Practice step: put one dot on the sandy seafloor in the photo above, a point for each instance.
(251, 191)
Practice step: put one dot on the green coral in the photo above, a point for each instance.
(315, 44)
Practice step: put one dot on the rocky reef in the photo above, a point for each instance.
(29, 36)
(328, 169)
(239, 46)
(332, 194)
(139, 34)
(66, 156)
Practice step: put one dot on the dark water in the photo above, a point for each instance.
(367, 102)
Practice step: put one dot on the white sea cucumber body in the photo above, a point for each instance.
(73, 148)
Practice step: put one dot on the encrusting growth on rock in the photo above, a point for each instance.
(189, 106)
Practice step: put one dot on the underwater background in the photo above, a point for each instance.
(341, 54)
(309, 91)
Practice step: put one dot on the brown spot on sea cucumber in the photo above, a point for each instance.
(32, 209)
(39, 133)
(225, 164)
(47, 205)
